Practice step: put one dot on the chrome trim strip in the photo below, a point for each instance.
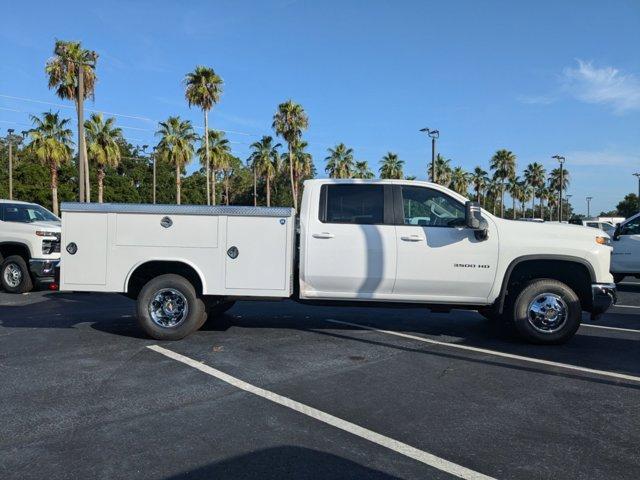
(230, 211)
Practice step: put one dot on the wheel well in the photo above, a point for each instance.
(149, 270)
(574, 274)
(8, 249)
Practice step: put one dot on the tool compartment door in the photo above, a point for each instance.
(256, 253)
(88, 265)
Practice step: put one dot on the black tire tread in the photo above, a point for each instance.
(27, 284)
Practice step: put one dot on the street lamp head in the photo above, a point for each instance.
(636, 175)
(426, 130)
(10, 130)
(434, 133)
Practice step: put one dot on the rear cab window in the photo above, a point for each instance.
(354, 204)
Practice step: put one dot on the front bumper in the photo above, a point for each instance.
(604, 295)
(43, 270)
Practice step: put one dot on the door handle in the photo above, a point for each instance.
(411, 238)
(323, 235)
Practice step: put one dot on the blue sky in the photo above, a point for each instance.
(538, 78)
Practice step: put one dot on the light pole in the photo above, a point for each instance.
(589, 206)
(433, 134)
(10, 139)
(83, 162)
(638, 176)
(560, 159)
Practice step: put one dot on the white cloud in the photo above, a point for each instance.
(606, 86)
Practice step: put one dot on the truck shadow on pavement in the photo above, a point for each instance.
(286, 462)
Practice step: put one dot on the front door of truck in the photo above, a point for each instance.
(439, 259)
(350, 248)
(625, 257)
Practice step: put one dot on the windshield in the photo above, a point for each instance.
(13, 212)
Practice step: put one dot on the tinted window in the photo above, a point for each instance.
(430, 208)
(631, 228)
(27, 213)
(359, 204)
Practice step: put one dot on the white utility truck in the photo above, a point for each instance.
(358, 242)
(29, 245)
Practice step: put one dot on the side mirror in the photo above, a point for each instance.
(473, 220)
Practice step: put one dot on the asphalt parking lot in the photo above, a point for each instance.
(280, 390)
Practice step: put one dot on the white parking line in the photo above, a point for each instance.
(495, 353)
(604, 327)
(626, 306)
(399, 447)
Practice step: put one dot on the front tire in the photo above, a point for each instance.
(14, 275)
(169, 308)
(547, 312)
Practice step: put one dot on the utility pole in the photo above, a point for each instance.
(153, 156)
(83, 162)
(638, 176)
(589, 206)
(560, 159)
(433, 134)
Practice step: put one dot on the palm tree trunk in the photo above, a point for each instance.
(206, 154)
(226, 188)
(255, 187)
(177, 183)
(293, 185)
(54, 187)
(478, 195)
(502, 200)
(514, 207)
(213, 186)
(268, 191)
(100, 182)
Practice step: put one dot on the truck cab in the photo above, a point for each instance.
(625, 259)
(29, 245)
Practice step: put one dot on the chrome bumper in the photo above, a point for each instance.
(603, 296)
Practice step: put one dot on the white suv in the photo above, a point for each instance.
(29, 245)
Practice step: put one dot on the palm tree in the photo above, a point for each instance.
(176, 145)
(543, 194)
(503, 163)
(443, 171)
(514, 187)
(219, 149)
(64, 70)
(494, 189)
(289, 121)
(555, 184)
(534, 175)
(103, 148)
(362, 170)
(391, 166)
(340, 162)
(203, 88)
(410, 177)
(479, 181)
(231, 165)
(460, 180)
(50, 142)
(265, 162)
(303, 165)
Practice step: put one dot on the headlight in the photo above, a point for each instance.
(44, 233)
(603, 240)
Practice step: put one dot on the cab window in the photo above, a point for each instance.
(430, 208)
(631, 228)
(356, 204)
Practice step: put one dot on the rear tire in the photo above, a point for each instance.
(169, 308)
(546, 312)
(15, 276)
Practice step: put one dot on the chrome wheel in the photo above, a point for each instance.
(12, 275)
(547, 313)
(168, 308)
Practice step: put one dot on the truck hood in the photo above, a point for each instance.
(549, 230)
(51, 226)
